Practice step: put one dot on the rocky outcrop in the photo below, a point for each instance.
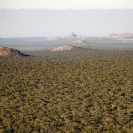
(63, 48)
(9, 52)
(71, 35)
(124, 36)
(80, 41)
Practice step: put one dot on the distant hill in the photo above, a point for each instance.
(80, 41)
(4, 51)
(52, 39)
(71, 35)
(81, 36)
(63, 48)
(124, 36)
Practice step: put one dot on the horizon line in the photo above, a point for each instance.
(58, 9)
(67, 34)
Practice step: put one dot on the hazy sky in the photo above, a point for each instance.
(32, 18)
(65, 4)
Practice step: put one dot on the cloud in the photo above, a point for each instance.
(66, 4)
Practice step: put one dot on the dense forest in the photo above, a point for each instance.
(79, 91)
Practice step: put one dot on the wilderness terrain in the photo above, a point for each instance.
(81, 90)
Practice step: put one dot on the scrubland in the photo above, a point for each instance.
(80, 91)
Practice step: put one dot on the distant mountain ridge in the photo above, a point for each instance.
(124, 36)
(72, 35)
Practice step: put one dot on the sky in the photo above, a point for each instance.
(66, 4)
(38, 18)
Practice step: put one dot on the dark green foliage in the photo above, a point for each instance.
(67, 92)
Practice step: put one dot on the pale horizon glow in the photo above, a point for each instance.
(40, 18)
(66, 4)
